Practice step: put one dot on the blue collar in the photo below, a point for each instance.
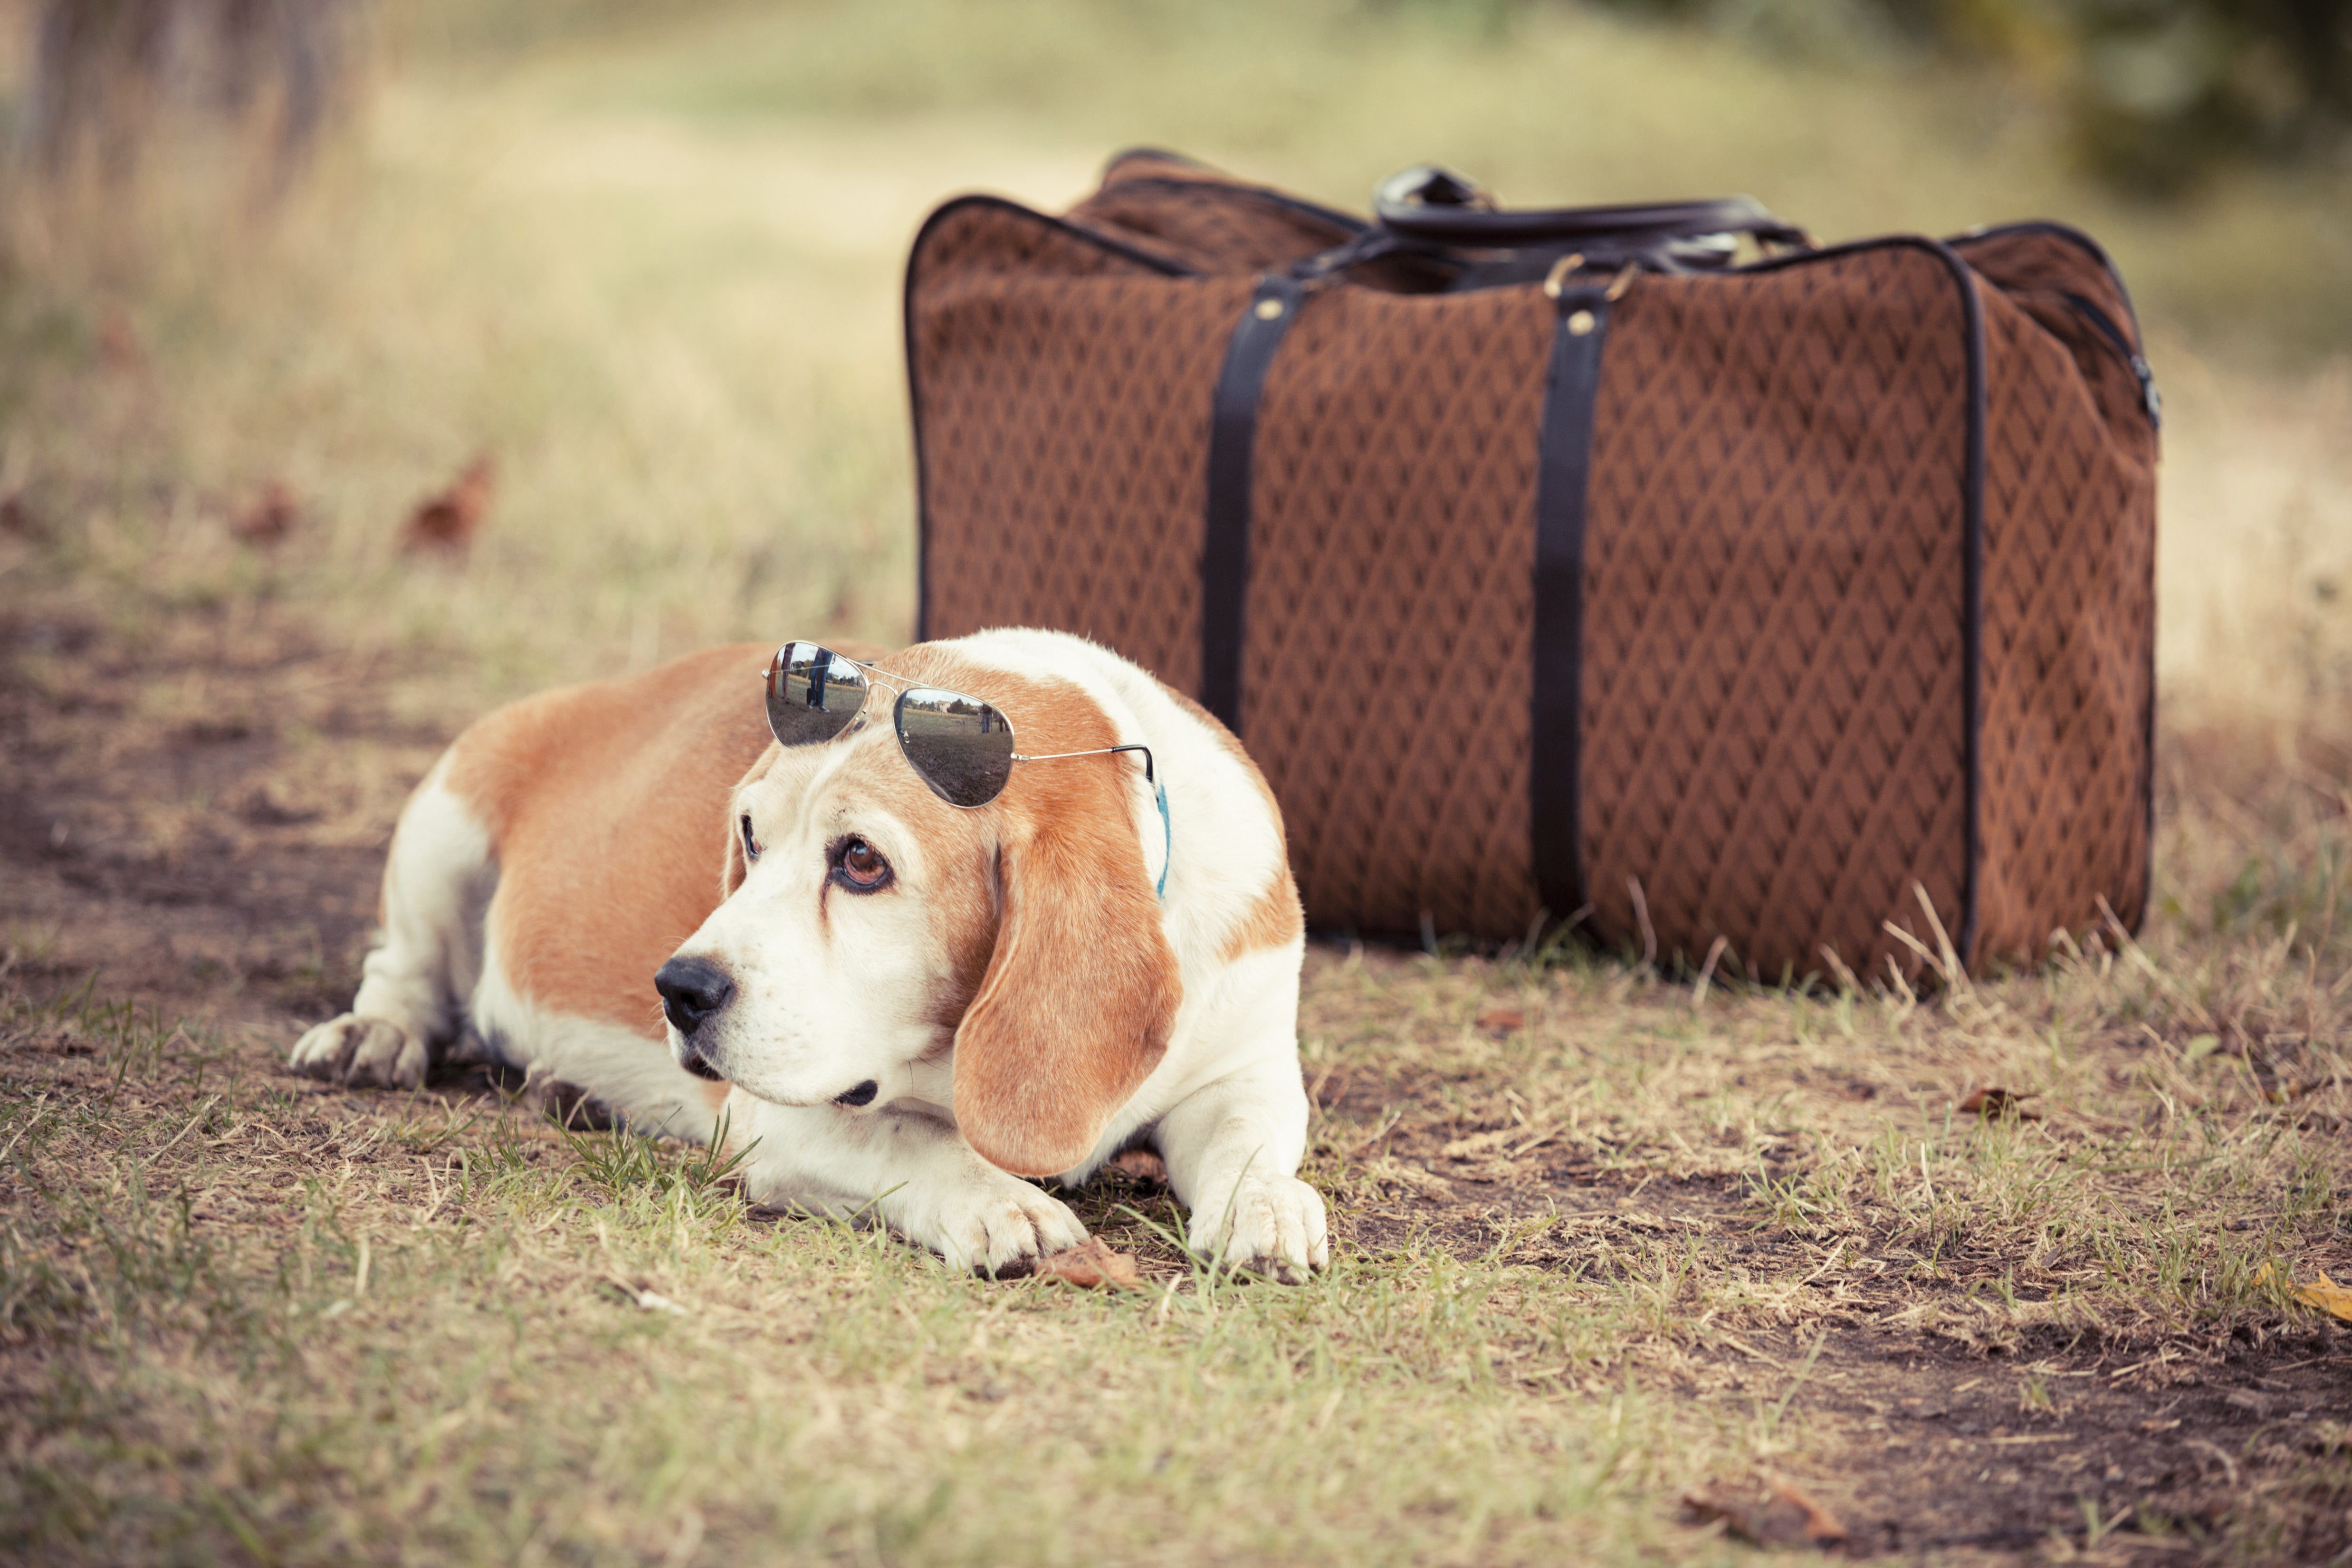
(1168, 837)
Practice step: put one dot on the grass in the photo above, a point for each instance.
(247, 1317)
(437, 1339)
(1600, 1235)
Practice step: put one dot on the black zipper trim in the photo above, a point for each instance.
(1972, 544)
(2152, 401)
(2130, 347)
(1224, 181)
(1165, 266)
(2075, 237)
(1972, 594)
(2134, 353)
(1168, 265)
(1346, 222)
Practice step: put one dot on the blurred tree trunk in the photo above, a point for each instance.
(108, 76)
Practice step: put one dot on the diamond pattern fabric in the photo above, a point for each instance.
(1385, 674)
(1062, 433)
(2069, 611)
(1774, 737)
(1777, 675)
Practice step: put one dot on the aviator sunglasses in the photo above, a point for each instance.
(959, 745)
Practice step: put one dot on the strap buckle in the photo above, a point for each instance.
(1556, 282)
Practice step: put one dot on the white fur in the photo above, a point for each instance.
(437, 885)
(434, 980)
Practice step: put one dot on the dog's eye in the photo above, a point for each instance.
(750, 844)
(859, 867)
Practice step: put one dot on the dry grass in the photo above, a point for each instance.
(1598, 1235)
(1601, 1237)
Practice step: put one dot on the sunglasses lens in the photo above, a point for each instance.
(812, 693)
(961, 746)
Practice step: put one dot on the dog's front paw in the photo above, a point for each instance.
(363, 1053)
(1272, 1226)
(988, 1224)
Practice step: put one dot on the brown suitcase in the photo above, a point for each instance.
(1552, 562)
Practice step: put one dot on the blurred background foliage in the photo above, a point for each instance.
(2232, 119)
(646, 256)
(2157, 96)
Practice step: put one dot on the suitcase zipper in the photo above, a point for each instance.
(2149, 397)
(1347, 222)
(2123, 343)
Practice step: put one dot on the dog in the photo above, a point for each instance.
(893, 1006)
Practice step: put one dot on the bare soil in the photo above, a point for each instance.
(212, 847)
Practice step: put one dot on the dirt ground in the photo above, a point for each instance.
(209, 844)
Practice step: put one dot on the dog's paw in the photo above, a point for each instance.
(990, 1226)
(362, 1053)
(1270, 1225)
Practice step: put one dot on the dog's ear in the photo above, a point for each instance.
(1081, 994)
(733, 867)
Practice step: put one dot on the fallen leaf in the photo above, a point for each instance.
(267, 517)
(19, 519)
(1501, 1021)
(2326, 1295)
(1093, 1267)
(1989, 1103)
(446, 521)
(1781, 1515)
(1140, 1164)
(118, 342)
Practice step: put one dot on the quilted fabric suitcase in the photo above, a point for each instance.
(1556, 563)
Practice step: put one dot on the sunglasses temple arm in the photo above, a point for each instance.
(1099, 752)
(1147, 761)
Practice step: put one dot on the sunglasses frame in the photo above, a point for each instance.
(905, 686)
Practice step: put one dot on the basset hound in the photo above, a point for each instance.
(898, 1003)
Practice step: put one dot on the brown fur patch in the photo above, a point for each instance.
(1274, 918)
(604, 801)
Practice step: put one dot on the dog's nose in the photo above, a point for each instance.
(692, 990)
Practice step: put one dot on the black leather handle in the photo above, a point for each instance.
(1435, 205)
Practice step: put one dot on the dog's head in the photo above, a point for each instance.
(869, 927)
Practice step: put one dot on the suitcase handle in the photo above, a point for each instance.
(1427, 202)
